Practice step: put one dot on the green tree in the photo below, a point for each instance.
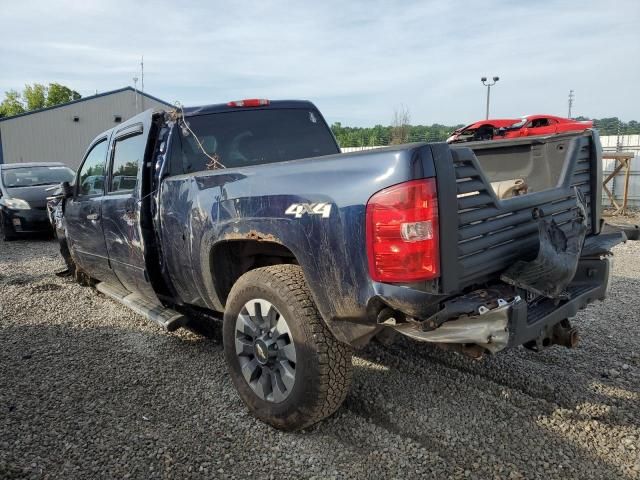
(12, 104)
(58, 94)
(400, 128)
(35, 96)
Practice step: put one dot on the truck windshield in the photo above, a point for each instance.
(252, 137)
(35, 176)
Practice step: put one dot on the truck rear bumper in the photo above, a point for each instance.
(534, 323)
(517, 321)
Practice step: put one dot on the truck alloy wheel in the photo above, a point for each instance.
(283, 360)
(265, 350)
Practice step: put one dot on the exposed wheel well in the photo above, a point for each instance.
(230, 260)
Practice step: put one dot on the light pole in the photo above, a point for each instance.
(488, 85)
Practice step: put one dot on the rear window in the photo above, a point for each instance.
(252, 137)
(127, 158)
(34, 176)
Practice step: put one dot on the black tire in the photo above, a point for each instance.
(5, 232)
(322, 364)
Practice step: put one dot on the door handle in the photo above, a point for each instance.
(93, 216)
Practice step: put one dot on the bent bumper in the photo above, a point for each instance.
(516, 322)
(534, 323)
(26, 221)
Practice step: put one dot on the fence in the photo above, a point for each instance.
(358, 149)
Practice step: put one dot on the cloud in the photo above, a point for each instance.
(357, 60)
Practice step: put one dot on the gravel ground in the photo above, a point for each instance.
(90, 390)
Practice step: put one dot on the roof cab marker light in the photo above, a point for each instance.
(249, 102)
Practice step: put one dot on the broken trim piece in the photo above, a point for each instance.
(488, 330)
(557, 261)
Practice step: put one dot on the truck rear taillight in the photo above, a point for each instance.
(249, 102)
(402, 232)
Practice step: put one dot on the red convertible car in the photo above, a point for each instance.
(542, 125)
(482, 130)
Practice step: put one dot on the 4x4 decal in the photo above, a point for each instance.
(299, 209)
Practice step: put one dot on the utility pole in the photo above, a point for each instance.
(135, 90)
(142, 82)
(488, 85)
(619, 138)
(571, 97)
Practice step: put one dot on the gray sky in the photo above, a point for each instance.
(357, 60)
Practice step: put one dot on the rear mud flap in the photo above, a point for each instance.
(557, 260)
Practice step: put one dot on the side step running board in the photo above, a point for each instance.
(165, 317)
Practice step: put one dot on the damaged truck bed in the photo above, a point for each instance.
(249, 210)
(529, 252)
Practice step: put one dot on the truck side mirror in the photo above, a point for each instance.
(67, 190)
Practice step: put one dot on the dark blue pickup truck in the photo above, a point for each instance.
(248, 209)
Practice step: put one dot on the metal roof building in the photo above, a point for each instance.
(62, 133)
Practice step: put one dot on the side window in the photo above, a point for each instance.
(91, 179)
(539, 122)
(128, 154)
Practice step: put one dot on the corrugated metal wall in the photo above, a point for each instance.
(53, 136)
(625, 143)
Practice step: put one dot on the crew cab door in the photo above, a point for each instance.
(83, 214)
(121, 204)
